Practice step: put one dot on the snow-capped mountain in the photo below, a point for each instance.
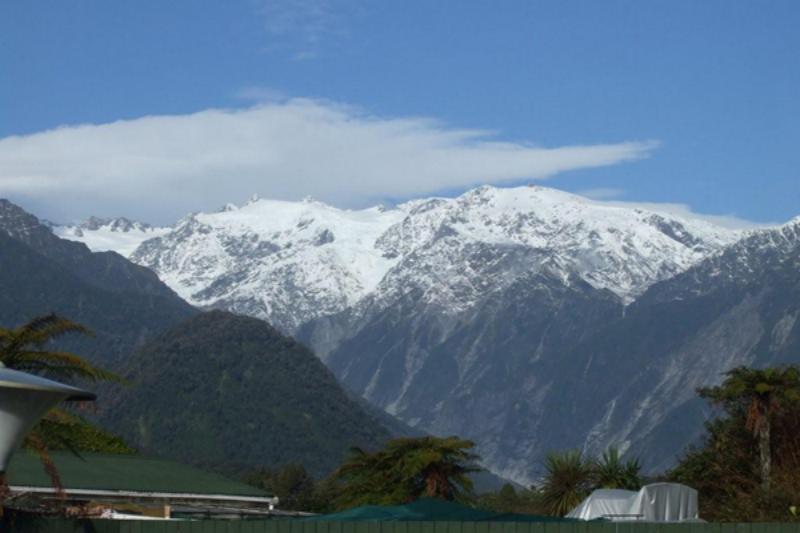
(458, 250)
(291, 262)
(287, 262)
(120, 234)
(549, 361)
(522, 318)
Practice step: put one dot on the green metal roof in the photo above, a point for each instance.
(123, 473)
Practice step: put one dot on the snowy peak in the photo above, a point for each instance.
(291, 262)
(286, 261)
(120, 224)
(741, 263)
(758, 246)
(120, 234)
(538, 216)
(617, 248)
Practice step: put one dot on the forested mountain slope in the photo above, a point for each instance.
(230, 392)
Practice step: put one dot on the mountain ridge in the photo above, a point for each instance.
(525, 319)
(291, 262)
(122, 303)
(107, 269)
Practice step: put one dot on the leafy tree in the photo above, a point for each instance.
(611, 472)
(60, 429)
(369, 478)
(407, 469)
(510, 500)
(722, 470)
(761, 394)
(567, 481)
(294, 487)
(326, 493)
(507, 499)
(727, 468)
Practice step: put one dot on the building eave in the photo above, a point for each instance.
(116, 495)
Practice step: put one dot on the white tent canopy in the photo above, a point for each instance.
(658, 502)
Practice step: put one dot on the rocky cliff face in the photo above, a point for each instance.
(738, 307)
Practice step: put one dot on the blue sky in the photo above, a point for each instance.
(704, 92)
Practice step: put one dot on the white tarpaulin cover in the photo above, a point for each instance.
(659, 502)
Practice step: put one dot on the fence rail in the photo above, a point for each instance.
(294, 526)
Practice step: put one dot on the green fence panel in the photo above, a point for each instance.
(294, 526)
(482, 527)
(334, 527)
(316, 527)
(537, 528)
(153, 527)
(403, 527)
(424, 527)
(441, 527)
(787, 528)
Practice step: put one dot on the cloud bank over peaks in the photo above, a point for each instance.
(160, 167)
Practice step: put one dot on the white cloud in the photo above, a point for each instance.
(301, 27)
(601, 193)
(610, 196)
(685, 211)
(160, 167)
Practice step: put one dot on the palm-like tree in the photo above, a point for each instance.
(25, 348)
(407, 469)
(365, 479)
(611, 472)
(759, 395)
(567, 481)
(435, 467)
